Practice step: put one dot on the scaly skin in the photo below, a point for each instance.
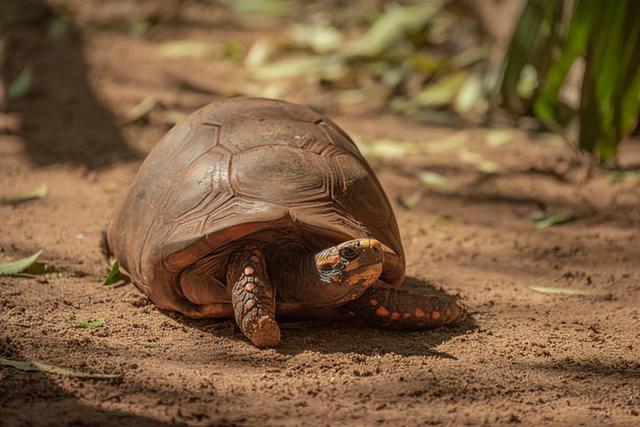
(399, 309)
(253, 297)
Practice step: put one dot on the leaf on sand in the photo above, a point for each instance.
(89, 324)
(319, 39)
(141, 110)
(410, 200)
(388, 149)
(15, 267)
(326, 67)
(38, 193)
(483, 165)
(434, 180)
(173, 117)
(114, 274)
(28, 365)
(21, 84)
(498, 137)
(261, 7)
(569, 291)
(549, 220)
(443, 91)
(469, 95)
(186, 49)
(391, 27)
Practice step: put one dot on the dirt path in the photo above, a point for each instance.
(523, 357)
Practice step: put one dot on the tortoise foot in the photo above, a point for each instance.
(253, 298)
(400, 309)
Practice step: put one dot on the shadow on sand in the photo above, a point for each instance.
(62, 119)
(349, 335)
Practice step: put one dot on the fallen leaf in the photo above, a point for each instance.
(476, 159)
(568, 291)
(260, 52)
(325, 67)
(141, 109)
(261, 7)
(442, 92)
(15, 267)
(89, 324)
(29, 365)
(549, 220)
(499, 137)
(409, 200)
(469, 95)
(114, 274)
(391, 27)
(434, 180)
(232, 50)
(320, 39)
(21, 85)
(174, 117)
(38, 193)
(388, 149)
(186, 49)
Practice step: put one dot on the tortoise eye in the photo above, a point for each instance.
(348, 254)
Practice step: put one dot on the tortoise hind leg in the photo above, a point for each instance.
(399, 309)
(253, 297)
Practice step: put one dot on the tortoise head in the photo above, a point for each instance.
(355, 262)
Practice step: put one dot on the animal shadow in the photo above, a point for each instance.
(350, 335)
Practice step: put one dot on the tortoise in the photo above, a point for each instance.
(255, 208)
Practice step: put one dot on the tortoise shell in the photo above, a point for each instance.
(238, 170)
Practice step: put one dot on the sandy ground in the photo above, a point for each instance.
(522, 357)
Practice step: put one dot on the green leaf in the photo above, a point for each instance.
(29, 365)
(232, 50)
(550, 220)
(38, 193)
(21, 84)
(114, 274)
(16, 267)
(529, 45)
(433, 180)
(89, 324)
(568, 291)
(575, 45)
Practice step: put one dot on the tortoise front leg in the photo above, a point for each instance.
(394, 308)
(253, 297)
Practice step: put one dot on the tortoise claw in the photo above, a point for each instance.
(253, 298)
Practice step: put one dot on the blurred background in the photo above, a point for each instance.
(79, 70)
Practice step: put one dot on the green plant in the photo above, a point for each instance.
(550, 37)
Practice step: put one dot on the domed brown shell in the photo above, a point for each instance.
(233, 170)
